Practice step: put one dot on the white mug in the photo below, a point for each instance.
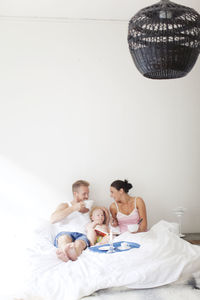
(133, 227)
(88, 203)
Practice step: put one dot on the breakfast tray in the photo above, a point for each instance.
(117, 247)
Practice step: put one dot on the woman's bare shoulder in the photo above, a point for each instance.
(140, 201)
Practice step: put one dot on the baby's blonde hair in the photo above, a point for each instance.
(105, 213)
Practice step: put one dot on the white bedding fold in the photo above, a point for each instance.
(161, 259)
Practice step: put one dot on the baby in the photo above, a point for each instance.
(98, 229)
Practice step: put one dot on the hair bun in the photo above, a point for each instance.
(120, 184)
(128, 185)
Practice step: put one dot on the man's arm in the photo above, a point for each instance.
(64, 210)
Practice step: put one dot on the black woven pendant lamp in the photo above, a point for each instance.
(164, 40)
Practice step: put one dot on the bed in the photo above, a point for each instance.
(161, 259)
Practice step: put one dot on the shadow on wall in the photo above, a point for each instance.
(24, 198)
(25, 201)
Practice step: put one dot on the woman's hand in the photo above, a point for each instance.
(113, 222)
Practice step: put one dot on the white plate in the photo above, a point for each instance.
(122, 248)
(104, 248)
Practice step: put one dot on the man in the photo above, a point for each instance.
(70, 220)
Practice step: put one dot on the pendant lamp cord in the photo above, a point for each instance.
(164, 2)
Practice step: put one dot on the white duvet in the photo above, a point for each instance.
(162, 258)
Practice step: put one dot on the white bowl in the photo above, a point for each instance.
(88, 203)
(133, 227)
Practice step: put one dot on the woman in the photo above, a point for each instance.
(126, 210)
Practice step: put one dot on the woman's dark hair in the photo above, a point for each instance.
(119, 184)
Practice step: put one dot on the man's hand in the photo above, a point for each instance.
(80, 206)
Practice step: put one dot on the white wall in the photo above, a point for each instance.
(73, 106)
(89, 9)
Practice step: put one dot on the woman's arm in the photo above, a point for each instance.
(142, 213)
(113, 211)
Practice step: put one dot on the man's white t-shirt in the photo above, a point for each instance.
(75, 222)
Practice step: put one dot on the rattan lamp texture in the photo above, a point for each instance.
(164, 40)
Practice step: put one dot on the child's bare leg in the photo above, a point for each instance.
(61, 252)
(92, 236)
(75, 249)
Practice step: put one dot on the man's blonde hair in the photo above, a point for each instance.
(76, 185)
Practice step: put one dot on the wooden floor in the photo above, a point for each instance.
(193, 238)
(168, 292)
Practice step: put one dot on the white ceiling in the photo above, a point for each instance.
(80, 9)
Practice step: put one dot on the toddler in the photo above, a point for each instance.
(98, 229)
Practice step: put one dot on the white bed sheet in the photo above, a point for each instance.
(162, 258)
